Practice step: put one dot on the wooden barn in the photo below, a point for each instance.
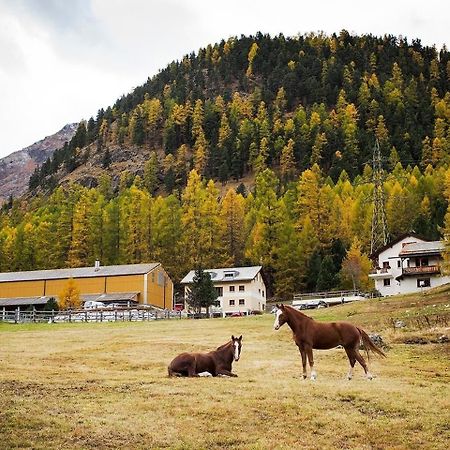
(131, 284)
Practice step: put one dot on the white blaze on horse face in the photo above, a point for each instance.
(276, 324)
(236, 350)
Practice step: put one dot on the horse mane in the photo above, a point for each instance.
(290, 309)
(223, 346)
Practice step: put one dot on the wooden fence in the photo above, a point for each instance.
(97, 315)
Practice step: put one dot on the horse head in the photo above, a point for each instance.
(280, 317)
(237, 345)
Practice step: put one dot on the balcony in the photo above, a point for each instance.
(381, 273)
(421, 270)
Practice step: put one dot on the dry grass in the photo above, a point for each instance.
(91, 386)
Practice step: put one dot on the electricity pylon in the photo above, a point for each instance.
(380, 234)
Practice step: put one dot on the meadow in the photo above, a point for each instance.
(95, 386)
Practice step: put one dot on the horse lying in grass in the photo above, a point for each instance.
(309, 334)
(215, 363)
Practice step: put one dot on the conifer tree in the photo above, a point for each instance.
(355, 268)
(69, 298)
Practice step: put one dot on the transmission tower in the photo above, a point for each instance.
(380, 234)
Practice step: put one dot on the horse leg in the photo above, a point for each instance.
(303, 355)
(360, 359)
(191, 371)
(309, 352)
(352, 359)
(226, 373)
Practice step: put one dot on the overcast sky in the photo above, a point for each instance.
(62, 60)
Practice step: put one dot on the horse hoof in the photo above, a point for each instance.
(369, 376)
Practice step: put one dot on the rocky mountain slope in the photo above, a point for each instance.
(16, 168)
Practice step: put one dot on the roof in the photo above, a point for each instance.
(227, 274)
(422, 248)
(80, 272)
(396, 241)
(111, 297)
(23, 301)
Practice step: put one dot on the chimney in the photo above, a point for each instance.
(97, 265)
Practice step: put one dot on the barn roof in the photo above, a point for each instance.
(79, 272)
(227, 274)
(23, 301)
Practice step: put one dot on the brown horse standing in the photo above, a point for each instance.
(217, 362)
(309, 334)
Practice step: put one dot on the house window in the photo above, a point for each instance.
(386, 265)
(161, 278)
(263, 293)
(231, 302)
(217, 303)
(241, 301)
(241, 288)
(423, 282)
(229, 275)
(231, 288)
(386, 282)
(153, 277)
(420, 262)
(219, 291)
(399, 264)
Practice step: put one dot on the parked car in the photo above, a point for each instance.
(91, 304)
(313, 304)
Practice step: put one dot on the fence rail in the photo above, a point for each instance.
(98, 315)
(329, 294)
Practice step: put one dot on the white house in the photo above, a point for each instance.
(409, 264)
(240, 289)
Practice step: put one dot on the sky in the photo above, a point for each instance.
(62, 60)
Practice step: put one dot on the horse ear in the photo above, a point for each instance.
(240, 338)
(232, 337)
(278, 306)
(281, 306)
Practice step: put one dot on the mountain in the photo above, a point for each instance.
(260, 101)
(16, 168)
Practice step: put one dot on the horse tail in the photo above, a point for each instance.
(369, 345)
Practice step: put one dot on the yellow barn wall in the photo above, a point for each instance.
(13, 289)
(126, 283)
(156, 292)
(95, 285)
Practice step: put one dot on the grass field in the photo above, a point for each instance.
(94, 386)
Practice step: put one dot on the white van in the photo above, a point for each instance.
(92, 305)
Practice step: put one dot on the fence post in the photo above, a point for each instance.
(17, 315)
(101, 316)
(70, 316)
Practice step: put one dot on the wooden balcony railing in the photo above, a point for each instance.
(421, 270)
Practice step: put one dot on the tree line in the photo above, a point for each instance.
(309, 234)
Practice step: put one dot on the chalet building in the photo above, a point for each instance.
(129, 284)
(241, 290)
(409, 264)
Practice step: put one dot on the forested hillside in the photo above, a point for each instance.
(298, 117)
